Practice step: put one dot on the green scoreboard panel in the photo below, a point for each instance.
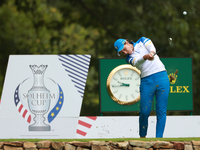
(181, 90)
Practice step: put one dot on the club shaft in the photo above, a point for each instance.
(160, 50)
(170, 42)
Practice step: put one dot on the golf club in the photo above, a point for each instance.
(170, 42)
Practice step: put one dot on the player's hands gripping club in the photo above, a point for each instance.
(149, 56)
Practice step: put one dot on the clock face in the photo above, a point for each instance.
(123, 84)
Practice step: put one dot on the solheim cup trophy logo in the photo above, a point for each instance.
(39, 99)
(38, 105)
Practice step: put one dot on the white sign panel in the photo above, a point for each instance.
(41, 93)
(128, 127)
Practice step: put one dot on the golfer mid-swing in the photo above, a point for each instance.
(154, 81)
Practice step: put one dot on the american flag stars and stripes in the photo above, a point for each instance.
(21, 109)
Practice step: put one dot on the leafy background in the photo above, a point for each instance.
(92, 26)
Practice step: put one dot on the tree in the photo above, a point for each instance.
(33, 27)
(158, 20)
(91, 27)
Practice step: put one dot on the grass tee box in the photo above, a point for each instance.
(181, 92)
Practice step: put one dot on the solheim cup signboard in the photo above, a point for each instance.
(42, 95)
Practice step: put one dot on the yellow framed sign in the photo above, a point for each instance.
(181, 90)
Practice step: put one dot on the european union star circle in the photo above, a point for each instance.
(54, 112)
